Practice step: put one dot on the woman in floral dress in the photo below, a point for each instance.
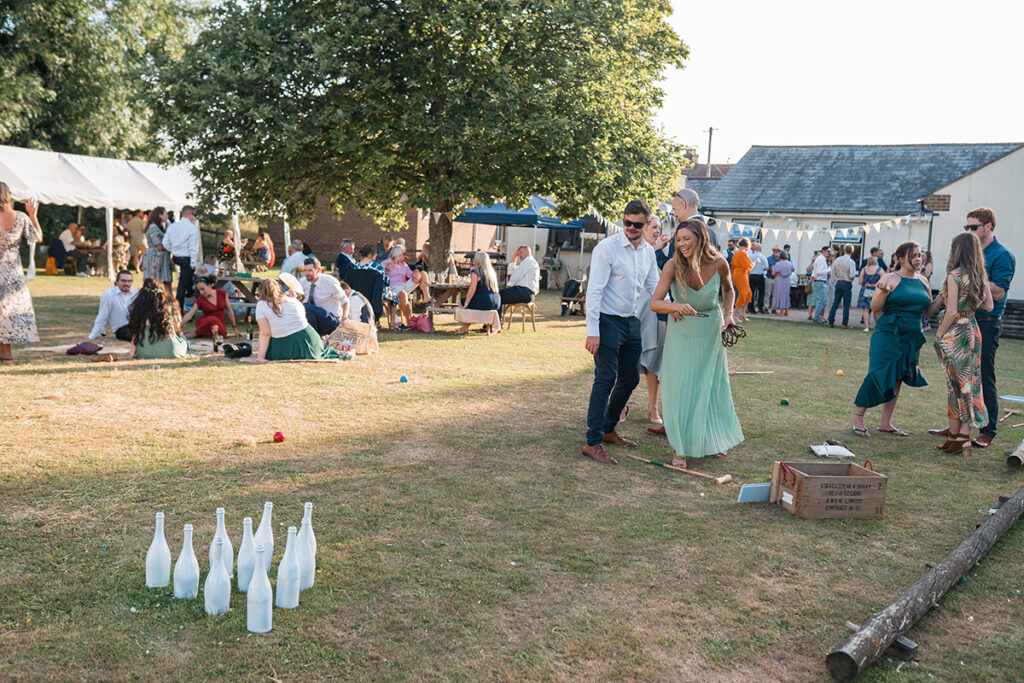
(156, 263)
(958, 340)
(17, 317)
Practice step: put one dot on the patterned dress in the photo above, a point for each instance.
(960, 354)
(867, 290)
(156, 263)
(17, 317)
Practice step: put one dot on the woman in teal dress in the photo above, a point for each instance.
(154, 323)
(902, 298)
(696, 398)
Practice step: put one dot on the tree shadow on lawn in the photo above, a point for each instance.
(485, 546)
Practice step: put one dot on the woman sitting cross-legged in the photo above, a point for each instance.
(154, 323)
(284, 332)
(483, 289)
(212, 307)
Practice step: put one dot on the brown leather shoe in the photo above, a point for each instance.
(939, 432)
(982, 441)
(613, 437)
(659, 431)
(598, 453)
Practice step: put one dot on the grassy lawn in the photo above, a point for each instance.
(461, 534)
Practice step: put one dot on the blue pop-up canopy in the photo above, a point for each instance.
(500, 214)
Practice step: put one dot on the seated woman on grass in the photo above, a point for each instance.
(284, 332)
(154, 323)
(212, 306)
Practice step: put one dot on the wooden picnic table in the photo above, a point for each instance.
(444, 298)
(246, 286)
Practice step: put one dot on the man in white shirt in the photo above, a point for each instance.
(182, 240)
(845, 270)
(295, 259)
(71, 238)
(685, 204)
(358, 305)
(326, 303)
(524, 282)
(114, 306)
(757, 277)
(819, 284)
(623, 276)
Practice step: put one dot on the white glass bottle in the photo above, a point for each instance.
(186, 569)
(217, 589)
(265, 534)
(246, 556)
(287, 596)
(228, 556)
(158, 557)
(307, 554)
(259, 614)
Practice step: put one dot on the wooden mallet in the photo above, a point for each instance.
(724, 479)
(1007, 413)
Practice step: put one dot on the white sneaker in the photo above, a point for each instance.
(83, 274)
(866, 329)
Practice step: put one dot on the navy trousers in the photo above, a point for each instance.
(186, 276)
(991, 329)
(844, 293)
(616, 374)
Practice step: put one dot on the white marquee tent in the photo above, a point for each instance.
(76, 180)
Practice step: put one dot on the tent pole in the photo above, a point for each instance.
(287, 233)
(238, 242)
(111, 275)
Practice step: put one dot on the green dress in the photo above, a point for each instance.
(302, 345)
(960, 354)
(896, 344)
(697, 406)
(170, 346)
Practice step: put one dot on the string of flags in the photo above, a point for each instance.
(802, 229)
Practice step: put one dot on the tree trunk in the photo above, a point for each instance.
(441, 234)
(878, 634)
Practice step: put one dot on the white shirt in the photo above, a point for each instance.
(526, 274)
(844, 268)
(182, 239)
(114, 305)
(68, 239)
(328, 294)
(293, 263)
(291, 320)
(622, 280)
(820, 270)
(356, 303)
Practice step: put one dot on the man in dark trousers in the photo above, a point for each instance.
(623, 276)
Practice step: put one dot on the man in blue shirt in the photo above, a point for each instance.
(1000, 265)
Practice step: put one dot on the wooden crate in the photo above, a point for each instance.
(820, 490)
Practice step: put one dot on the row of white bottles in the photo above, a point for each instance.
(296, 571)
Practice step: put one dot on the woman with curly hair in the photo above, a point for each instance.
(284, 332)
(154, 323)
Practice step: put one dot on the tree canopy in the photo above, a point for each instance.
(379, 105)
(77, 75)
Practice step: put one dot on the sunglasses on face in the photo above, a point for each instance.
(974, 227)
(633, 224)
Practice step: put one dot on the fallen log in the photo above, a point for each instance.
(868, 643)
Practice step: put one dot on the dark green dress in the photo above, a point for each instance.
(896, 344)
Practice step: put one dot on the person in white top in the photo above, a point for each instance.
(71, 238)
(819, 284)
(524, 282)
(623, 276)
(845, 270)
(357, 303)
(326, 303)
(182, 240)
(295, 258)
(114, 306)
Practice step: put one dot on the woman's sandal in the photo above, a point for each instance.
(681, 463)
(860, 431)
(654, 420)
(894, 431)
(624, 414)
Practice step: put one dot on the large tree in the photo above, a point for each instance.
(77, 75)
(379, 105)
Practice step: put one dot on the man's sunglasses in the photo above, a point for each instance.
(974, 227)
(633, 224)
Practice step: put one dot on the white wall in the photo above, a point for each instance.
(1000, 187)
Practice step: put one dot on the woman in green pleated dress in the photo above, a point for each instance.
(902, 298)
(696, 398)
(958, 340)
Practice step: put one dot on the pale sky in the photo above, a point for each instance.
(797, 72)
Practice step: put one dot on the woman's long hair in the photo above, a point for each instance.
(154, 217)
(966, 255)
(703, 253)
(153, 306)
(902, 252)
(482, 261)
(270, 292)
